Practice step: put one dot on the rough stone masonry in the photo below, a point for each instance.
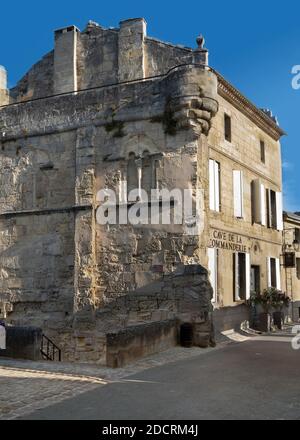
(105, 106)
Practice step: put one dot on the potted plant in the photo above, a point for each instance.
(280, 302)
(265, 301)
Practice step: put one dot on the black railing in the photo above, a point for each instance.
(49, 350)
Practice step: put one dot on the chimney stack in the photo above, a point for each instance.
(65, 60)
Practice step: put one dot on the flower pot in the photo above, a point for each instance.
(278, 319)
(264, 322)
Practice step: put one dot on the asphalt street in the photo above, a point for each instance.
(249, 380)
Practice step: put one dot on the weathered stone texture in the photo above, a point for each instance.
(132, 109)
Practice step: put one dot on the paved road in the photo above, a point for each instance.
(26, 386)
(250, 380)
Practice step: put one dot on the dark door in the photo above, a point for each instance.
(255, 279)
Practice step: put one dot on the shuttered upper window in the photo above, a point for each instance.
(266, 206)
(273, 272)
(227, 127)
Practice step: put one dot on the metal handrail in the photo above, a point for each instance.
(49, 350)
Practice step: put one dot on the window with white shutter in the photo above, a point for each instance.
(214, 185)
(258, 202)
(242, 278)
(213, 270)
(238, 194)
(273, 273)
(279, 213)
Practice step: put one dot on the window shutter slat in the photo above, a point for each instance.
(269, 272)
(248, 274)
(279, 213)
(211, 185)
(278, 277)
(217, 187)
(236, 276)
(263, 205)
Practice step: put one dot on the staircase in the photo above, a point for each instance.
(49, 350)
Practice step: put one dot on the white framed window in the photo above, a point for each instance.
(213, 255)
(274, 209)
(238, 194)
(273, 272)
(242, 276)
(214, 185)
(258, 201)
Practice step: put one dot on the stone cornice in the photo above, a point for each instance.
(231, 94)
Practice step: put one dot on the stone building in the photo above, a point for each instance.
(115, 109)
(291, 261)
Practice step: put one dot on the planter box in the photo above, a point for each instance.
(264, 322)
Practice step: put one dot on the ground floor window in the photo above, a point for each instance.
(241, 265)
(273, 268)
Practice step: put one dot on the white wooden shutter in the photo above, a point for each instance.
(214, 185)
(278, 277)
(217, 186)
(268, 208)
(279, 213)
(213, 272)
(236, 276)
(258, 202)
(248, 276)
(212, 202)
(238, 193)
(269, 280)
(263, 204)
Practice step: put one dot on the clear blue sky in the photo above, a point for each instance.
(254, 45)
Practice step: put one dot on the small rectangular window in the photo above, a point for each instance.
(273, 272)
(271, 208)
(297, 235)
(262, 152)
(227, 127)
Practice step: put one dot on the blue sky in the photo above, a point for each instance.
(253, 45)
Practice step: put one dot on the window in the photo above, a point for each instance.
(132, 174)
(273, 270)
(214, 185)
(266, 206)
(258, 202)
(213, 270)
(241, 266)
(274, 209)
(255, 279)
(227, 127)
(238, 191)
(297, 235)
(262, 152)
(298, 268)
(271, 208)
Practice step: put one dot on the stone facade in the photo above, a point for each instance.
(291, 261)
(108, 106)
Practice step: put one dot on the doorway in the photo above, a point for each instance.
(255, 279)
